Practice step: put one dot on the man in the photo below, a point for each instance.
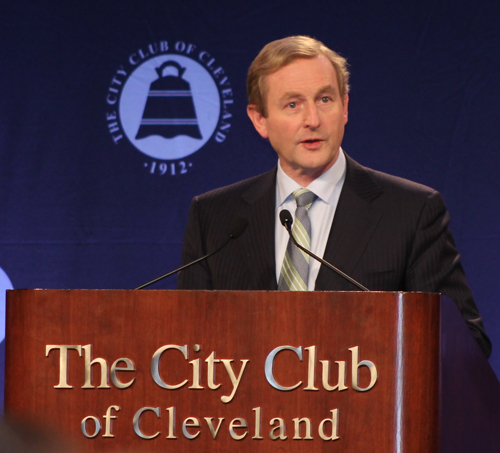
(387, 233)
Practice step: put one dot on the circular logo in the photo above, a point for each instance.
(169, 107)
(169, 100)
(5, 284)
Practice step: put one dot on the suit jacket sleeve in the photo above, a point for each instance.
(198, 276)
(434, 265)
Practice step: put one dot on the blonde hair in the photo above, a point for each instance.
(282, 52)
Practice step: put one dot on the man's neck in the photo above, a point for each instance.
(322, 186)
(304, 177)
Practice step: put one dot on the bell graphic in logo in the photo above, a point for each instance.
(169, 106)
(169, 110)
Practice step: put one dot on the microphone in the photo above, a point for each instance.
(287, 220)
(237, 228)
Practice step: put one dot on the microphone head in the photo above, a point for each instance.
(286, 218)
(238, 227)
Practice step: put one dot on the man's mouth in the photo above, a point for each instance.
(312, 141)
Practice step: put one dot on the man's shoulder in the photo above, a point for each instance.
(373, 182)
(248, 187)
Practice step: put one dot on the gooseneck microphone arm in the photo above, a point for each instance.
(236, 230)
(287, 221)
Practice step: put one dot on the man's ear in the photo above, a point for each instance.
(258, 120)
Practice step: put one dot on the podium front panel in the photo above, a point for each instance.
(226, 371)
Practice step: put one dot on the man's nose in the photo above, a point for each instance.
(311, 116)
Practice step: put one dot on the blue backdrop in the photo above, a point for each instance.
(85, 203)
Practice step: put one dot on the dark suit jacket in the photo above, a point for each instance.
(388, 233)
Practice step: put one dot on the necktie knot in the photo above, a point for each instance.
(304, 198)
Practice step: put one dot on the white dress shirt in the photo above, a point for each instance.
(327, 188)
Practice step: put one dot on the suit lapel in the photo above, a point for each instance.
(259, 209)
(354, 223)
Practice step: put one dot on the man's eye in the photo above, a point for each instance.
(325, 99)
(292, 105)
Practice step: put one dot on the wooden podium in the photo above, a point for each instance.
(225, 371)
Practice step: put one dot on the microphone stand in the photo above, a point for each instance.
(287, 223)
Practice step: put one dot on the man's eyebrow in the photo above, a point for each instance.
(290, 94)
(327, 89)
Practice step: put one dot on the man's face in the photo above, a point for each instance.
(305, 117)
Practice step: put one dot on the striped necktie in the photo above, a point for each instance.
(295, 270)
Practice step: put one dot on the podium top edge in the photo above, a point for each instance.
(207, 291)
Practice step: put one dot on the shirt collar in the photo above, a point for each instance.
(323, 186)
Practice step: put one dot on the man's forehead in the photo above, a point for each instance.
(322, 89)
(312, 74)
